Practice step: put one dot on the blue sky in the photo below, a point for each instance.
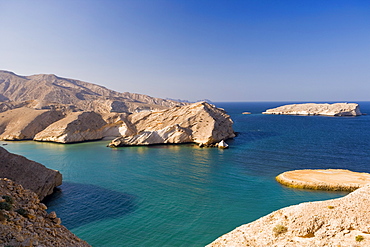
(222, 50)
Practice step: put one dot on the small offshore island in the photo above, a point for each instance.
(336, 109)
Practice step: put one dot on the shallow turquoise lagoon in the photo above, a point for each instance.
(183, 195)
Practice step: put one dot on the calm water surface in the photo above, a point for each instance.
(183, 195)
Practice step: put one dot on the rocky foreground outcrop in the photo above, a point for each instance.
(339, 222)
(32, 175)
(24, 221)
(200, 123)
(336, 109)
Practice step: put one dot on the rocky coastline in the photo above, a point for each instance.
(30, 174)
(338, 222)
(336, 109)
(25, 222)
(54, 109)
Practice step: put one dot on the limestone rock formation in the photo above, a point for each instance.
(336, 109)
(55, 109)
(200, 123)
(339, 222)
(32, 175)
(23, 123)
(24, 221)
(324, 179)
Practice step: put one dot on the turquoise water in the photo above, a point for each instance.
(183, 195)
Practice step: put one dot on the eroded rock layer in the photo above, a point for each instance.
(32, 175)
(24, 221)
(200, 123)
(339, 222)
(336, 109)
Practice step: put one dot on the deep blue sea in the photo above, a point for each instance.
(183, 195)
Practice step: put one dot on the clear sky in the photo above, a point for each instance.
(222, 50)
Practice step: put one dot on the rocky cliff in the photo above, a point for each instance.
(200, 123)
(32, 175)
(24, 221)
(337, 109)
(339, 222)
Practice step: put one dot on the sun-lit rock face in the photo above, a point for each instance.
(32, 175)
(25, 222)
(55, 109)
(336, 109)
(339, 222)
(200, 123)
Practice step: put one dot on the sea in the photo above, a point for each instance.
(184, 195)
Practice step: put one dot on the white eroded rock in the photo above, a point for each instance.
(336, 109)
(336, 222)
(222, 145)
(200, 123)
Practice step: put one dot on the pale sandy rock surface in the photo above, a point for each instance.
(200, 123)
(326, 223)
(23, 123)
(75, 127)
(324, 179)
(336, 109)
(32, 175)
(24, 221)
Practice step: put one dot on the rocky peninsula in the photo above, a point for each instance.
(200, 123)
(336, 109)
(338, 222)
(24, 221)
(55, 109)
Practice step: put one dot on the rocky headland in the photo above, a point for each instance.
(30, 174)
(338, 222)
(55, 109)
(200, 123)
(336, 109)
(24, 221)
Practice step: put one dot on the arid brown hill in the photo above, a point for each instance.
(50, 90)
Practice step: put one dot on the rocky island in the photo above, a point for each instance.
(55, 109)
(336, 109)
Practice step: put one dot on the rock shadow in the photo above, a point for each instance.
(79, 204)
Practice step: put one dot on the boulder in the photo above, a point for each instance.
(200, 123)
(336, 109)
(222, 145)
(30, 174)
(339, 222)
